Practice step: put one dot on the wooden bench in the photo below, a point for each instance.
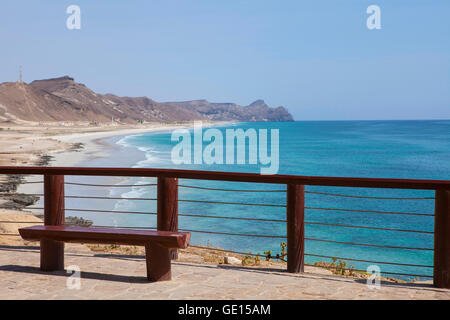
(158, 244)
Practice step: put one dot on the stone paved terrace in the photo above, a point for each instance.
(105, 276)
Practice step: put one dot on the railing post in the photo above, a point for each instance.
(52, 252)
(295, 214)
(167, 219)
(441, 273)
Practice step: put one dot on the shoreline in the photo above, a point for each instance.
(95, 146)
(27, 144)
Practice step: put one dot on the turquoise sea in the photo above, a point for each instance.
(383, 149)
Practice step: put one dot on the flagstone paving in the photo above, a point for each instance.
(106, 276)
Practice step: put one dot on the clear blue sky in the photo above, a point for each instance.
(317, 58)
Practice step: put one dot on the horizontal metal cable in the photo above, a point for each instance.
(419, 214)
(220, 189)
(199, 247)
(190, 246)
(368, 245)
(88, 197)
(306, 222)
(103, 211)
(109, 198)
(407, 274)
(360, 260)
(366, 227)
(274, 257)
(10, 234)
(21, 222)
(246, 204)
(232, 190)
(236, 203)
(361, 197)
(223, 250)
(370, 211)
(235, 234)
(117, 227)
(20, 194)
(110, 211)
(31, 182)
(251, 219)
(235, 218)
(237, 252)
(383, 272)
(111, 185)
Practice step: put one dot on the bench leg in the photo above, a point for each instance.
(158, 262)
(52, 255)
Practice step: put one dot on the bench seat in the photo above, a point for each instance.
(158, 244)
(106, 235)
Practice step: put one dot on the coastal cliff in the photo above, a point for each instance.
(63, 99)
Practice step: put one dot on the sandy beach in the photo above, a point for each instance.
(27, 144)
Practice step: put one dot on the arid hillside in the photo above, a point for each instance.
(63, 99)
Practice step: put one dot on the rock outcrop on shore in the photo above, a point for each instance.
(63, 99)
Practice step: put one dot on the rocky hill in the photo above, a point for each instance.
(63, 99)
(257, 111)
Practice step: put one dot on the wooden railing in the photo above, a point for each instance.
(167, 203)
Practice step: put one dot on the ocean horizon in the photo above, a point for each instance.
(409, 149)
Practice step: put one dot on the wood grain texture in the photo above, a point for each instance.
(52, 252)
(167, 215)
(295, 214)
(158, 262)
(441, 273)
(235, 176)
(106, 235)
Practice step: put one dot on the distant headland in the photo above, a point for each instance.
(63, 99)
